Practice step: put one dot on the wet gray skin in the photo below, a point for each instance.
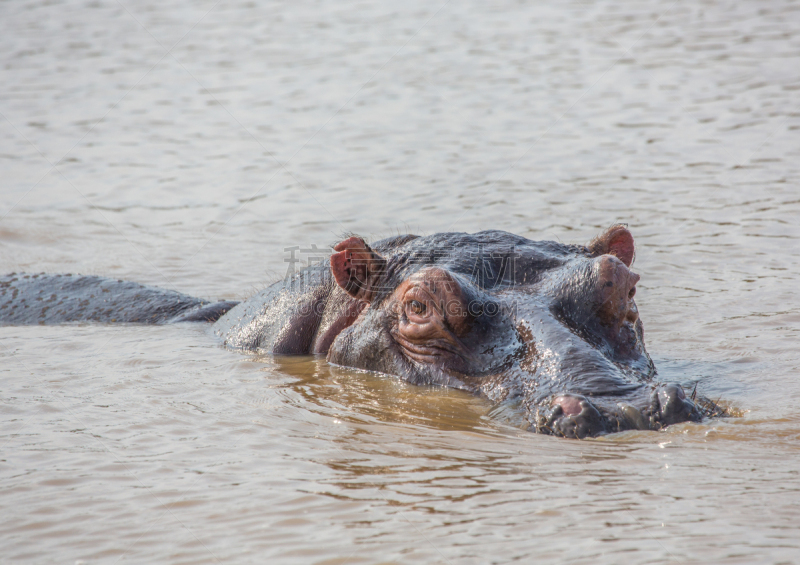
(552, 327)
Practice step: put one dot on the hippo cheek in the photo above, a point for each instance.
(340, 350)
(368, 345)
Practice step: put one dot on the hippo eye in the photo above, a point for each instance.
(417, 307)
(632, 292)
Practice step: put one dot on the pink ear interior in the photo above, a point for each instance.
(620, 244)
(356, 268)
(341, 261)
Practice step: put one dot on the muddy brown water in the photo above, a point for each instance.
(186, 145)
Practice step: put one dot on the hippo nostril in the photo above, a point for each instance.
(632, 292)
(570, 405)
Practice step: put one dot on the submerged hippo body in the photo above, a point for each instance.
(552, 326)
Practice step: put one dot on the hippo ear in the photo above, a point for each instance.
(617, 241)
(357, 268)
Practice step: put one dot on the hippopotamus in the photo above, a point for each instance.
(549, 326)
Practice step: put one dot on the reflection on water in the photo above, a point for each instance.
(379, 398)
(194, 142)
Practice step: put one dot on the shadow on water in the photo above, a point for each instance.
(363, 397)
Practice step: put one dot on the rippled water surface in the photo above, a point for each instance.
(185, 145)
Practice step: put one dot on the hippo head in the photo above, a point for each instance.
(555, 326)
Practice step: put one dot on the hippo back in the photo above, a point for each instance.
(27, 299)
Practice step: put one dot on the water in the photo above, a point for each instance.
(185, 145)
